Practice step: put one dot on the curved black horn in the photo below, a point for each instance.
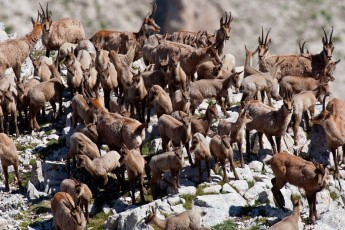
(324, 102)
(326, 39)
(47, 11)
(330, 37)
(230, 18)
(42, 11)
(267, 36)
(226, 18)
(154, 8)
(261, 39)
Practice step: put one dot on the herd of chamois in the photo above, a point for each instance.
(170, 85)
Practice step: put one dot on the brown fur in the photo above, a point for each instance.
(288, 168)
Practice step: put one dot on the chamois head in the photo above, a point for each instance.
(263, 44)
(76, 213)
(321, 172)
(235, 79)
(186, 94)
(250, 53)
(288, 101)
(245, 116)
(225, 28)
(7, 95)
(149, 24)
(212, 51)
(37, 26)
(212, 109)
(325, 113)
(328, 46)
(201, 38)
(46, 19)
(327, 74)
(124, 153)
(226, 141)
(175, 57)
(150, 215)
(185, 119)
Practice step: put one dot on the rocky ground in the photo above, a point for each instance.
(240, 204)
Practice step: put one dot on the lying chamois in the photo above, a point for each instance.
(190, 219)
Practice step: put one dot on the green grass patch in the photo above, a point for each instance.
(23, 147)
(50, 147)
(96, 222)
(251, 183)
(32, 161)
(145, 149)
(333, 195)
(189, 201)
(254, 227)
(226, 225)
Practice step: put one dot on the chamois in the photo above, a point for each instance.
(310, 176)
(56, 33)
(13, 52)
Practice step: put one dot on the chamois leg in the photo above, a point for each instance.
(247, 142)
(165, 145)
(278, 143)
(7, 125)
(33, 122)
(269, 97)
(306, 120)
(16, 71)
(260, 134)
(174, 177)
(198, 163)
(312, 207)
(232, 167)
(2, 124)
(106, 98)
(148, 116)
(47, 52)
(215, 167)
(295, 127)
(225, 175)
(52, 103)
(343, 148)
(15, 121)
(143, 107)
(278, 196)
(240, 148)
(141, 188)
(270, 139)
(16, 171)
(189, 155)
(131, 181)
(262, 93)
(335, 159)
(5, 169)
(207, 162)
(243, 99)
